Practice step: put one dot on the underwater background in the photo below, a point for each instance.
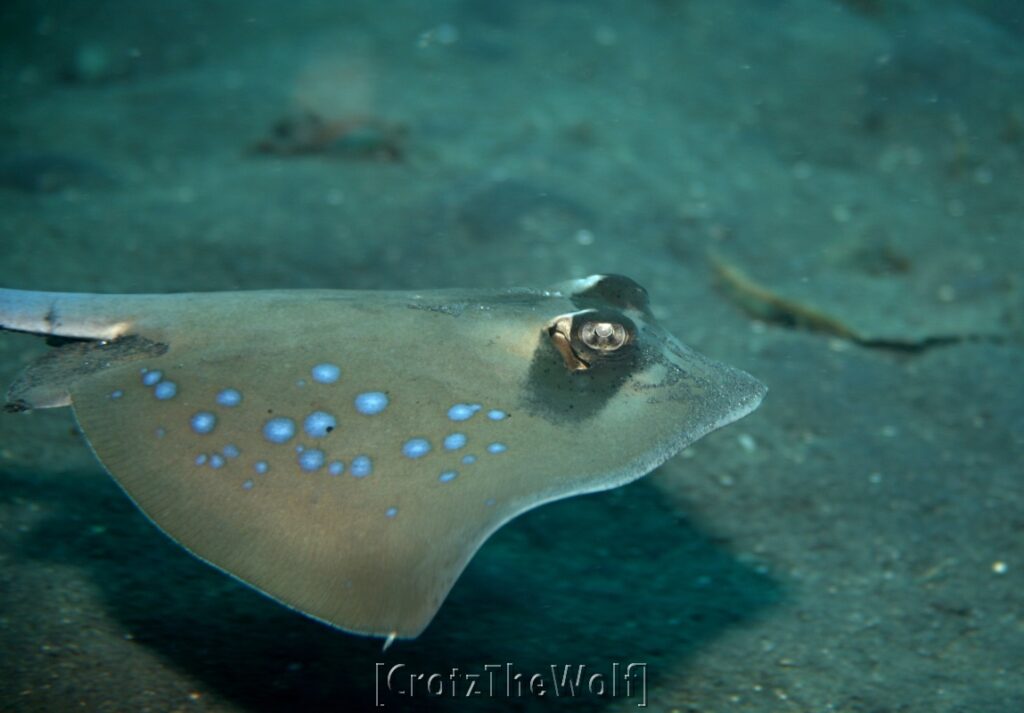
(828, 194)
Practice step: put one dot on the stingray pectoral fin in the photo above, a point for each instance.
(325, 547)
(373, 555)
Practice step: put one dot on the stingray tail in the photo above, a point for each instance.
(64, 314)
(91, 333)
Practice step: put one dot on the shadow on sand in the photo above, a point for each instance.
(616, 577)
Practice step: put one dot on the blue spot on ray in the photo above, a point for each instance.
(448, 476)
(116, 394)
(496, 415)
(370, 403)
(311, 459)
(497, 448)
(318, 424)
(201, 459)
(336, 467)
(203, 422)
(149, 378)
(454, 441)
(469, 459)
(247, 485)
(216, 461)
(229, 397)
(261, 467)
(362, 466)
(391, 512)
(230, 451)
(165, 390)
(325, 373)
(463, 412)
(416, 448)
(279, 429)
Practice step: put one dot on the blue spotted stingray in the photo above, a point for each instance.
(347, 453)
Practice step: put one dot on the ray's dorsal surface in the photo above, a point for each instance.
(346, 453)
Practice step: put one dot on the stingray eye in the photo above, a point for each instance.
(603, 336)
(591, 337)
